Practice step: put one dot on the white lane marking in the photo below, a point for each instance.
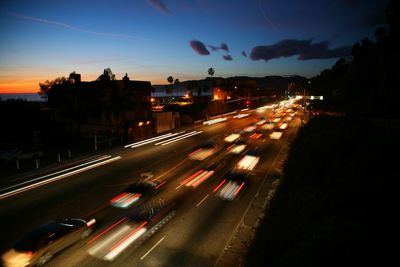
(153, 247)
(198, 204)
(29, 187)
(176, 188)
(51, 174)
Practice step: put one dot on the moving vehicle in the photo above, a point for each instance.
(135, 192)
(203, 151)
(237, 147)
(144, 220)
(41, 244)
(249, 161)
(231, 185)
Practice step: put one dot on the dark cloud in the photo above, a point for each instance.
(227, 57)
(199, 47)
(244, 54)
(223, 46)
(303, 48)
(159, 5)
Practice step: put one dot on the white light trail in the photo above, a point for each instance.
(169, 141)
(151, 140)
(56, 178)
(115, 252)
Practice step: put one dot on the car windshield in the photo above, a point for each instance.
(139, 188)
(207, 145)
(33, 240)
(237, 177)
(145, 212)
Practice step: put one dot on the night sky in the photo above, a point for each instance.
(153, 39)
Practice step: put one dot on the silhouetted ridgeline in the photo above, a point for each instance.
(338, 200)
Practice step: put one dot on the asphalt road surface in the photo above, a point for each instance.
(194, 233)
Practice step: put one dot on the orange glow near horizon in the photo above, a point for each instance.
(13, 84)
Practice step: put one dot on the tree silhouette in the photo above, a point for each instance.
(46, 87)
(169, 88)
(211, 72)
(107, 75)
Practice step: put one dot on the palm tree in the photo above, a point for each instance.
(170, 79)
(176, 82)
(211, 72)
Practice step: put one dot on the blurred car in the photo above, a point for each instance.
(249, 161)
(135, 192)
(257, 134)
(237, 147)
(21, 153)
(203, 151)
(249, 128)
(43, 243)
(231, 185)
(283, 126)
(268, 126)
(232, 137)
(276, 135)
(145, 218)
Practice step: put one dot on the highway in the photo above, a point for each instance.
(196, 230)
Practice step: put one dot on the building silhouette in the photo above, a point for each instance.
(103, 107)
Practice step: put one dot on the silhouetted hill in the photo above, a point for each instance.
(268, 84)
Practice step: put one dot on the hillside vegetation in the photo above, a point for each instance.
(338, 200)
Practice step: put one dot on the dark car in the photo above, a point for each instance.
(231, 185)
(40, 245)
(135, 192)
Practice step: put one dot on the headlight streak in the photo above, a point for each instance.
(239, 116)
(51, 174)
(217, 120)
(151, 140)
(59, 177)
(232, 137)
(169, 141)
(248, 162)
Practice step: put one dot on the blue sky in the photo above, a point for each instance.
(153, 39)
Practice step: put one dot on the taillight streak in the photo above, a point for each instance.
(158, 186)
(237, 190)
(129, 235)
(106, 230)
(218, 186)
(191, 177)
(201, 178)
(118, 197)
